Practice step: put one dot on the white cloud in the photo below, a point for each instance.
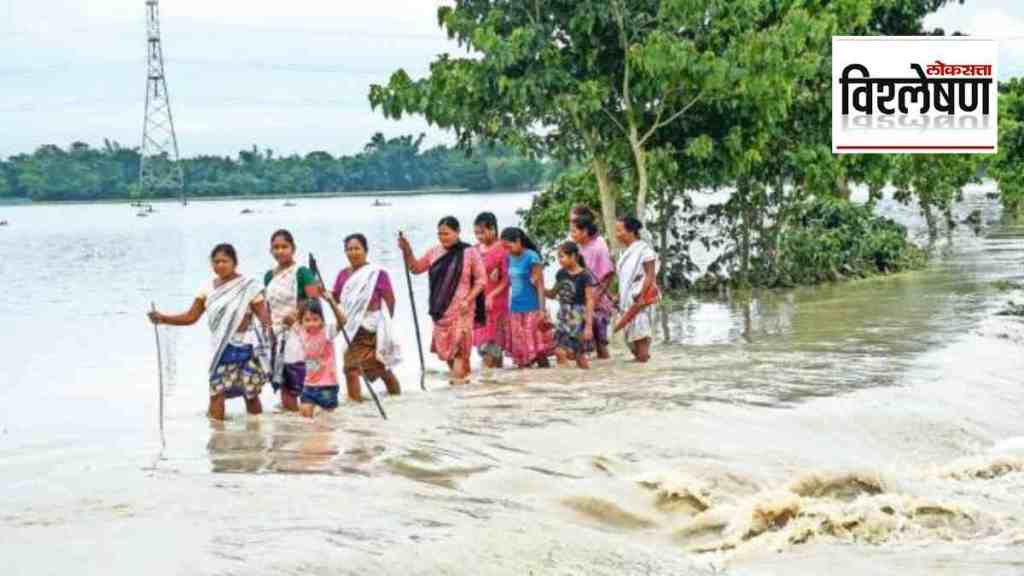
(999, 19)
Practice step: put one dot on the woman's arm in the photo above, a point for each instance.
(415, 266)
(537, 278)
(186, 319)
(649, 277)
(338, 316)
(604, 285)
(502, 284)
(479, 274)
(552, 292)
(588, 330)
(262, 311)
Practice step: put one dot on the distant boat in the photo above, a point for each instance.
(3, 222)
(246, 211)
(378, 203)
(142, 215)
(289, 204)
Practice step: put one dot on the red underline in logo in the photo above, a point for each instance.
(915, 147)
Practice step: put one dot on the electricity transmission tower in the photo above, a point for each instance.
(159, 169)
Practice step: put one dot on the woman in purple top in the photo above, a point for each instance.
(361, 289)
(583, 231)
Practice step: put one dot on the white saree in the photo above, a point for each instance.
(355, 304)
(226, 308)
(631, 281)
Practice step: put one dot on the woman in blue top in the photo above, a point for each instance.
(530, 336)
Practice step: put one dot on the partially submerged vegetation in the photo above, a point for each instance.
(833, 240)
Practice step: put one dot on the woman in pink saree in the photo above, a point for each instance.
(457, 282)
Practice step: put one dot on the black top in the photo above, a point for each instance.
(572, 288)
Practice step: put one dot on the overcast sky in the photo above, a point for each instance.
(290, 75)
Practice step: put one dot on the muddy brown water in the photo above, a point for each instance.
(872, 427)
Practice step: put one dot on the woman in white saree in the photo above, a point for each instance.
(637, 272)
(230, 301)
(362, 290)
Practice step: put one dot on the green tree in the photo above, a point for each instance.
(602, 79)
(1008, 166)
(6, 188)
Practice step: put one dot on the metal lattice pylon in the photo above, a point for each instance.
(160, 170)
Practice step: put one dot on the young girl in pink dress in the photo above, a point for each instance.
(321, 386)
(457, 279)
(490, 339)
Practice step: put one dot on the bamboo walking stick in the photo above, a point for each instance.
(416, 322)
(160, 374)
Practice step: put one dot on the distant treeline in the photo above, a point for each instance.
(83, 173)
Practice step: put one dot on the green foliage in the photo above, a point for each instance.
(605, 79)
(83, 173)
(604, 82)
(833, 239)
(547, 218)
(6, 189)
(1008, 166)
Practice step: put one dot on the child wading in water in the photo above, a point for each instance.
(321, 386)
(574, 289)
(529, 326)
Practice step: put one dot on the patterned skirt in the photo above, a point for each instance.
(572, 321)
(239, 373)
(528, 339)
(491, 339)
(453, 336)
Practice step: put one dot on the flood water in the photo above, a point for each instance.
(870, 427)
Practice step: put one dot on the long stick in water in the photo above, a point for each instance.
(416, 322)
(160, 373)
(316, 271)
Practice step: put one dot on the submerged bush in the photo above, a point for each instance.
(830, 239)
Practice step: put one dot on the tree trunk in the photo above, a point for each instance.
(663, 240)
(640, 159)
(607, 193)
(929, 218)
(746, 222)
(844, 188)
(779, 224)
(950, 225)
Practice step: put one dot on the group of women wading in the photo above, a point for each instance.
(490, 296)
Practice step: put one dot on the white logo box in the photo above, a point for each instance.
(955, 69)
